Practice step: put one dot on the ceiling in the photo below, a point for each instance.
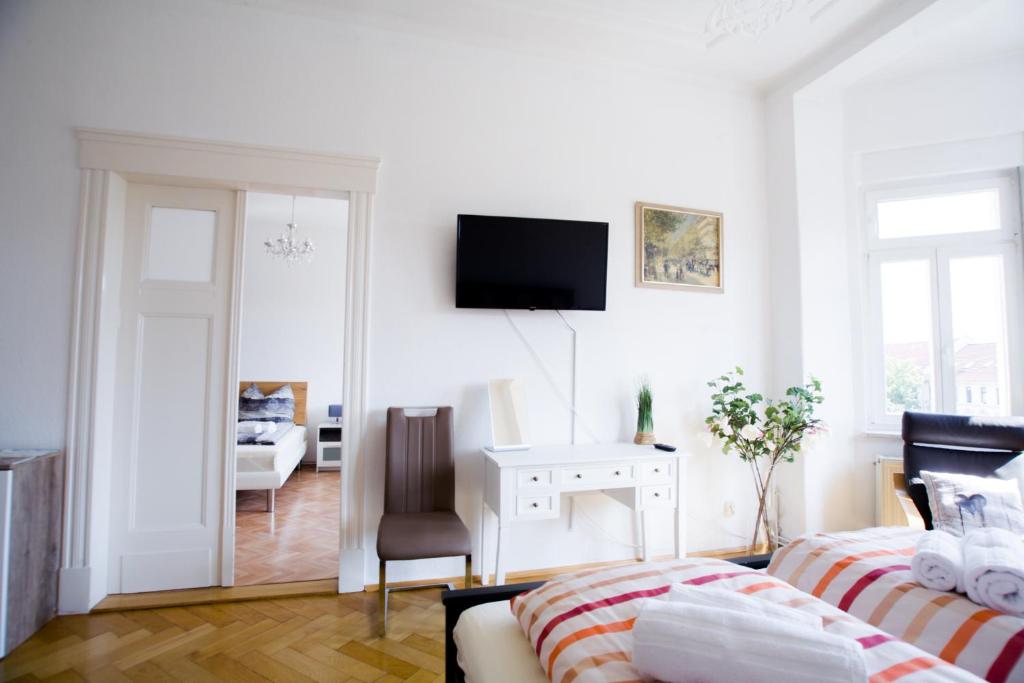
(661, 34)
(992, 30)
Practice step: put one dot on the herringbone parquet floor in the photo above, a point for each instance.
(321, 638)
(299, 541)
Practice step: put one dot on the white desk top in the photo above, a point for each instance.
(567, 454)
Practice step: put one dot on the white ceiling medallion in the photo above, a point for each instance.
(748, 18)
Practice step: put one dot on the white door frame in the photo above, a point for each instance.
(107, 159)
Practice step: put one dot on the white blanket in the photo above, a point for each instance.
(682, 642)
(994, 570)
(938, 561)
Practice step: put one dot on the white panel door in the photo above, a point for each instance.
(171, 386)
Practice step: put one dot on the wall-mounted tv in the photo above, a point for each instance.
(531, 263)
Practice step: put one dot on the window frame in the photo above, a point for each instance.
(938, 250)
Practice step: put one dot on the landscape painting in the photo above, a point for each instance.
(678, 248)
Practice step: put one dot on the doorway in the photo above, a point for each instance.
(96, 516)
(292, 334)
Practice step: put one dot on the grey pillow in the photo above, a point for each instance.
(279, 406)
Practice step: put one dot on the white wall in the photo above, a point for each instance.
(293, 315)
(819, 124)
(460, 128)
(949, 121)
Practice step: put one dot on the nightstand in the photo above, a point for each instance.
(328, 446)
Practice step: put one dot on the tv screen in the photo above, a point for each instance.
(530, 263)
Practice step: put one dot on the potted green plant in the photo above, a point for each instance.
(644, 414)
(764, 433)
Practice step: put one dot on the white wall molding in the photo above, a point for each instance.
(75, 594)
(104, 156)
(352, 557)
(241, 167)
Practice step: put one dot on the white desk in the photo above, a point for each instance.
(527, 485)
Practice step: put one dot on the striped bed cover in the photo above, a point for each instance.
(867, 574)
(580, 625)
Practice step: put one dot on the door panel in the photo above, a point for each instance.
(172, 368)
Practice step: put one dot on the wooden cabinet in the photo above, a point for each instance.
(31, 495)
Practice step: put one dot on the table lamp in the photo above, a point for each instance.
(334, 410)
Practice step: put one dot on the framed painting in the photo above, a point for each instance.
(678, 248)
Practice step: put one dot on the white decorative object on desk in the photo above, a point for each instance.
(508, 415)
(520, 487)
(328, 446)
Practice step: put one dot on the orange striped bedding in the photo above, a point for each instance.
(867, 574)
(580, 625)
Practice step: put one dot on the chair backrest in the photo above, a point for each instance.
(958, 444)
(419, 470)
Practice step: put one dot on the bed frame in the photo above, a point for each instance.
(458, 601)
(300, 390)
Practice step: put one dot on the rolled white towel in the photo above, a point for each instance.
(721, 598)
(251, 427)
(938, 561)
(680, 642)
(994, 569)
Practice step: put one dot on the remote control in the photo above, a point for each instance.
(665, 447)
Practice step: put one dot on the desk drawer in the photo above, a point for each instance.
(657, 497)
(534, 479)
(662, 472)
(589, 478)
(535, 506)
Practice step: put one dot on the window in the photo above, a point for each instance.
(944, 316)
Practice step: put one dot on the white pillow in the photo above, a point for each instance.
(963, 502)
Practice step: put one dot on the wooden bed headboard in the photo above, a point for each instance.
(298, 388)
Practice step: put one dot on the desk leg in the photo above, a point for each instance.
(643, 536)
(502, 555)
(638, 536)
(484, 573)
(680, 535)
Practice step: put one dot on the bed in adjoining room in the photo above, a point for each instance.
(271, 435)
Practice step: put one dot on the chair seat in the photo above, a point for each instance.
(420, 535)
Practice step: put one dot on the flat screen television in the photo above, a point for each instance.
(531, 263)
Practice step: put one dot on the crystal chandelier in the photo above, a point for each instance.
(287, 247)
(748, 18)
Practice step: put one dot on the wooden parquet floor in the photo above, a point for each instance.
(321, 638)
(299, 541)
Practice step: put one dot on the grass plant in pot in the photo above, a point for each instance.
(644, 414)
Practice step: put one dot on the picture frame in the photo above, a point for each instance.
(679, 248)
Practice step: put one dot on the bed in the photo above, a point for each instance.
(267, 467)
(867, 572)
(580, 625)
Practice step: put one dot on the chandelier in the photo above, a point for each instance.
(748, 18)
(287, 247)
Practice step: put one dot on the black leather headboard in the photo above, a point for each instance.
(956, 443)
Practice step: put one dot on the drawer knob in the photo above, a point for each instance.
(534, 478)
(617, 473)
(579, 476)
(534, 505)
(657, 469)
(657, 495)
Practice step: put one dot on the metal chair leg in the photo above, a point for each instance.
(469, 571)
(382, 624)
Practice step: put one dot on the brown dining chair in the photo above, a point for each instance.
(419, 519)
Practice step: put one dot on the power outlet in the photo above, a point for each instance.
(730, 509)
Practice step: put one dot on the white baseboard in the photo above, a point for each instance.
(74, 594)
(351, 570)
